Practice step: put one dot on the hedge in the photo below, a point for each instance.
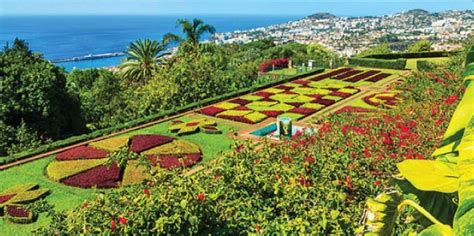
(80, 138)
(398, 64)
(424, 65)
(408, 55)
(470, 56)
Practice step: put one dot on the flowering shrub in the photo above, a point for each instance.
(278, 63)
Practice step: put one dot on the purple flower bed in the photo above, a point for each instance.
(239, 101)
(17, 211)
(347, 74)
(340, 94)
(362, 76)
(283, 87)
(302, 82)
(82, 152)
(378, 77)
(330, 74)
(211, 110)
(144, 142)
(101, 177)
(174, 161)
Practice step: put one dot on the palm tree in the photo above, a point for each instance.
(192, 32)
(143, 57)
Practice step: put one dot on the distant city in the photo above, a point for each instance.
(351, 35)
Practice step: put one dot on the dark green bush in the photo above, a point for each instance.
(398, 64)
(408, 55)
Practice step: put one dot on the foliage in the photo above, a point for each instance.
(313, 184)
(398, 64)
(420, 46)
(379, 49)
(193, 32)
(33, 92)
(143, 57)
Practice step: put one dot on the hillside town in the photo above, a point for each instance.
(351, 35)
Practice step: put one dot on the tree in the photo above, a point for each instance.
(193, 31)
(33, 91)
(420, 46)
(142, 60)
(379, 49)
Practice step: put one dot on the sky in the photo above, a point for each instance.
(192, 7)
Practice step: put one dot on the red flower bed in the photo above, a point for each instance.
(267, 100)
(340, 94)
(174, 161)
(101, 176)
(236, 118)
(302, 82)
(17, 211)
(278, 63)
(387, 100)
(143, 142)
(330, 74)
(325, 102)
(263, 94)
(272, 113)
(284, 87)
(295, 104)
(303, 111)
(347, 74)
(240, 101)
(241, 108)
(351, 109)
(212, 111)
(82, 152)
(316, 96)
(5, 198)
(378, 77)
(289, 92)
(362, 76)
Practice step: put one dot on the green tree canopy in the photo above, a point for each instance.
(33, 91)
(379, 49)
(193, 31)
(420, 46)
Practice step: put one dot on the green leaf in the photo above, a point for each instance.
(382, 213)
(430, 175)
(440, 205)
(437, 230)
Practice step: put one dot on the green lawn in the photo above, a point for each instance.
(411, 63)
(64, 197)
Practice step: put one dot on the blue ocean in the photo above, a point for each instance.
(65, 37)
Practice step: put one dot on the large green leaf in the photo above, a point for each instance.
(437, 230)
(439, 205)
(382, 213)
(430, 175)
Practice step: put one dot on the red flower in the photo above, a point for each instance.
(386, 139)
(310, 160)
(434, 111)
(113, 225)
(146, 191)
(367, 153)
(122, 220)
(286, 160)
(412, 124)
(378, 183)
(201, 197)
(345, 128)
(439, 122)
(349, 183)
(451, 99)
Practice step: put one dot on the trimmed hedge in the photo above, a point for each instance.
(407, 55)
(470, 56)
(424, 65)
(397, 64)
(161, 115)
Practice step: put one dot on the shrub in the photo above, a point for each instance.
(397, 64)
(278, 63)
(424, 65)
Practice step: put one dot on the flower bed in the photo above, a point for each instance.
(362, 76)
(378, 77)
(82, 152)
(18, 214)
(193, 126)
(346, 74)
(87, 173)
(12, 200)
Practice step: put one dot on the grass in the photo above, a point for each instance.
(65, 197)
(411, 63)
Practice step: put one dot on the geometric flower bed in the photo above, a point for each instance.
(181, 128)
(296, 99)
(383, 100)
(11, 201)
(86, 166)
